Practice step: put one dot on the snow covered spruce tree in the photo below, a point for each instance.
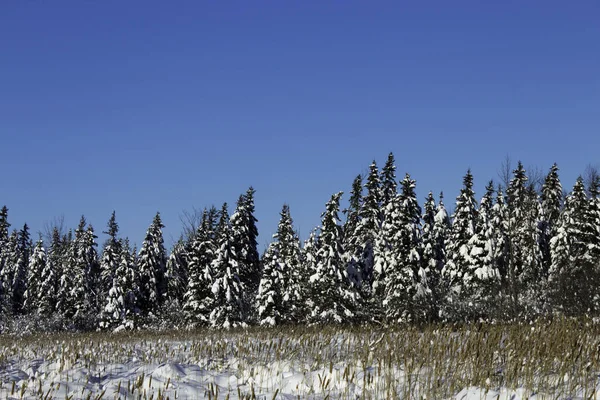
(501, 247)
(281, 290)
(352, 241)
(458, 272)
(229, 308)
(176, 274)
(62, 258)
(152, 268)
(269, 300)
(486, 277)
(551, 198)
(407, 295)
(309, 252)
(335, 298)
(198, 298)
(37, 263)
(10, 255)
(525, 278)
(436, 225)
(51, 273)
(368, 229)
(244, 236)
(4, 296)
(83, 265)
(112, 301)
(129, 283)
(389, 186)
(575, 249)
(13, 276)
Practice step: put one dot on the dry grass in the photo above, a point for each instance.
(558, 359)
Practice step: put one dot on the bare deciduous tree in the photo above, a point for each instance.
(505, 172)
(190, 221)
(57, 223)
(591, 178)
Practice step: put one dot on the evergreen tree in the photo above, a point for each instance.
(198, 298)
(575, 253)
(152, 268)
(112, 301)
(525, 275)
(280, 296)
(84, 268)
(24, 249)
(244, 237)
(110, 257)
(63, 260)
(228, 307)
(352, 238)
(485, 282)
(10, 259)
(551, 198)
(128, 275)
(335, 299)
(269, 300)
(35, 270)
(5, 295)
(501, 240)
(436, 225)
(294, 275)
(389, 187)
(441, 232)
(367, 231)
(458, 273)
(176, 274)
(407, 295)
(309, 263)
(51, 273)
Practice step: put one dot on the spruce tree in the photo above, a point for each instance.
(35, 270)
(458, 274)
(407, 295)
(152, 268)
(575, 253)
(485, 276)
(525, 274)
(389, 187)
(24, 249)
(176, 274)
(352, 238)
(551, 198)
(368, 230)
(85, 275)
(280, 296)
(244, 237)
(229, 303)
(309, 262)
(441, 232)
(48, 295)
(294, 274)
(198, 298)
(335, 299)
(128, 284)
(436, 225)
(112, 301)
(10, 259)
(269, 300)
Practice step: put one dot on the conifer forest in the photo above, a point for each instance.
(517, 253)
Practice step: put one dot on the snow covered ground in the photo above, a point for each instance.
(273, 364)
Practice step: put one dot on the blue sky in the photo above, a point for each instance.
(140, 106)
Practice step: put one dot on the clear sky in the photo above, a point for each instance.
(145, 106)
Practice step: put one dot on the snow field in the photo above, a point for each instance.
(540, 361)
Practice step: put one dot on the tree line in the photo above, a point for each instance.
(518, 253)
